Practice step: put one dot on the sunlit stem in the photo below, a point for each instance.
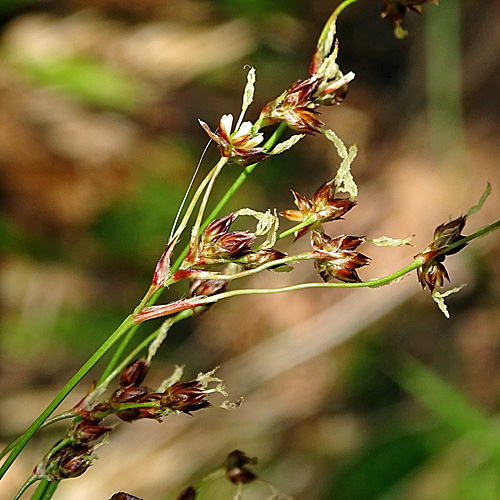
(332, 20)
(24, 439)
(45, 490)
(181, 305)
(31, 480)
(131, 357)
(197, 225)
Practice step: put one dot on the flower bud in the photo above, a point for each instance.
(324, 207)
(134, 373)
(295, 107)
(261, 257)
(86, 431)
(218, 227)
(336, 258)
(185, 397)
(433, 273)
(237, 467)
(128, 394)
(68, 462)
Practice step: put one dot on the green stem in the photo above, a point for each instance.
(295, 228)
(31, 480)
(50, 490)
(61, 416)
(199, 218)
(80, 374)
(118, 354)
(208, 275)
(186, 304)
(135, 352)
(45, 490)
(152, 300)
(332, 19)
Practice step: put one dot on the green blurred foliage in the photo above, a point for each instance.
(93, 82)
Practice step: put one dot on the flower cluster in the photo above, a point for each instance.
(131, 401)
(323, 207)
(327, 85)
(218, 245)
(241, 145)
(336, 257)
(433, 273)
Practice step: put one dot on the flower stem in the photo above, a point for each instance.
(332, 20)
(31, 480)
(199, 218)
(135, 352)
(80, 374)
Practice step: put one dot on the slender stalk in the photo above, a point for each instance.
(184, 304)
(174, 307)
(332, 19)
(135, 352)
(295, 228)
(31, 480)
(117, 354)
(80, 374)
(199, 218)
(208, 275)
(45, 490)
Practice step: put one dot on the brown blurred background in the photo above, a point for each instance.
(99, 102)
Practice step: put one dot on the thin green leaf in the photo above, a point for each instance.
(480, 203)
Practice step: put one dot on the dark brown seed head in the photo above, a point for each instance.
(238, 467)
(185, 397)
(336, 258)
(188, 494)
(86, 431)
(68, 462)
(135, 373)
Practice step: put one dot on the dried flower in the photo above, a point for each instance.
(68, 462)
(219, 245)
(336, 258)
(261, 257)
(433, 273)
(241, 145)
(324, 207)
(395, 11)
(185, 397)
(238, 467)
(134, 373)
(296, 107)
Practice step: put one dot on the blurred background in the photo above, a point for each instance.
(349, 395)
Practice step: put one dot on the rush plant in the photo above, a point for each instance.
(217, 257)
